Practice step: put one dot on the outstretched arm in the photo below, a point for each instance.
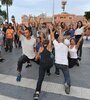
(79, 42)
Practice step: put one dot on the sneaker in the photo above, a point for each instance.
(36, 95)
(28, 65)
(67, 88)
(18, 79)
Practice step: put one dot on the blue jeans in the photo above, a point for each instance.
(65, 71)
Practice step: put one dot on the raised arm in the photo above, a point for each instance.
(19, 31)
(79, 42)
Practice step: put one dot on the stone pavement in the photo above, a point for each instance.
(52, 86)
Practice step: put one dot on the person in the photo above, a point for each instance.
(71, 30)
(78, 33)
(73, 57)
(46, 62)
(9, 38)
(38, 44)
(88, 33)
(61, 59)
(28, 45)
(4, 29)
(67, 39)
(1, 43)
(64, 27)
(16, 38)
(34, 30)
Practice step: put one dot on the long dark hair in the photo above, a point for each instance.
(63, 25)
(78, 23)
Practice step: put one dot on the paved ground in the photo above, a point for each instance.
(52, 86)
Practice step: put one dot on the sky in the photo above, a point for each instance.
(36, 7)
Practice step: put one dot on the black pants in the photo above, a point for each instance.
(79, 52)
(4, 40)
(23, 59)
(42, 70)
(16, 40)
(72, 62)
(9, 44)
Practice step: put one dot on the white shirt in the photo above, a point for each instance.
(79, 31)
(61, 53)
(73, 52)
(28, 46)
(67, 42)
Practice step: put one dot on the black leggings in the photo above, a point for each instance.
(42, 70)
(72, 62)
(23, 59)
(79, 52)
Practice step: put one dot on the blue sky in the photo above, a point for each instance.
(36, 7)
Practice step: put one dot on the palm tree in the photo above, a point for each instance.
(7, 3)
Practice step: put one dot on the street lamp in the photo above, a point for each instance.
(63, 2)
(53, 9)
(0, 5)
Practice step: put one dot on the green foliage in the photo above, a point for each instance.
(3, 13)
(6, 2)
(87, 15)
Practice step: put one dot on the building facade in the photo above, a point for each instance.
(69, 18)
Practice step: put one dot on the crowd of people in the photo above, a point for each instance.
(48, 45)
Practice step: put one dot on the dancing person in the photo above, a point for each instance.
(46, 62)
(28, 45)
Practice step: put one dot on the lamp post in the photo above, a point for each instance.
(0, 5)
(63, 2)
(53, 9)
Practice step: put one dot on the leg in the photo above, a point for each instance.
(81, 49)
(67, 84)
(57, 72)
(39, 83)
(41, 78)
(28, 63)
(11, 45)
(72, 62)
(65, 71)
(1, 59)
(7, 43)
(37, 62)
(48, 72)
(21, 61)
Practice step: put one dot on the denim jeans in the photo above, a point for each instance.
(65, 71)
(23, 59)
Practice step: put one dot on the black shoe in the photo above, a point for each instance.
(48, 74)
(67, 88)
(57, 73)
(36, 95)
(29, 65)
(1, 59)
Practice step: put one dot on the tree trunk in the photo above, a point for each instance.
(7, 13)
